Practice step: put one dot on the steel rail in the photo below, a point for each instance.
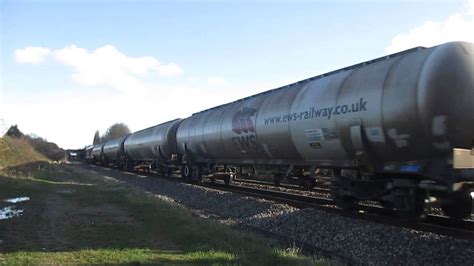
(430, 223)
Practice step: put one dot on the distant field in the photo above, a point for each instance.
(78, 216)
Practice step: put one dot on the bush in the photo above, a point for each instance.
(49, 149)
(41, 145)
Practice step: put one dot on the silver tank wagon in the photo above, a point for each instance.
(88, 154)
(410, 113)
(113, 150)
(97, 152)
(153, 145)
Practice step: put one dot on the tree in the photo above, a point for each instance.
(49, 149)
(115, 131)
(14, 132)
(96, 138)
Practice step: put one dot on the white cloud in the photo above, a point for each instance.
(217, 81)
(31, 55)
(170, 69)
(105, 65)
(70, 117)
(457, 27)
(85, 109)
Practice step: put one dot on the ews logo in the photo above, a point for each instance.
(243, 125)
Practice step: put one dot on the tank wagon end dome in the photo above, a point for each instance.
(446, 95)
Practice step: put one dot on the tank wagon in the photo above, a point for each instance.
(97, 153)
(114, 153)
(398, 129)
(88, 154)
(389, 129)
(152, 148)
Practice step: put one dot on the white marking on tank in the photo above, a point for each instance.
(439, 129)
(438, 125)
(401, 140)
(374, 134)
(313, 135)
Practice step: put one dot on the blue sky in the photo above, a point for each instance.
(162, 60)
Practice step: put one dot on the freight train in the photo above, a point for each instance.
(398, 130)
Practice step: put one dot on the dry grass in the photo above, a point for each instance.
(17, 151)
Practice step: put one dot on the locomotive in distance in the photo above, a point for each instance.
(398, 130)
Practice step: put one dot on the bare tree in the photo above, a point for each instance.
(96, 138)
(115, 131)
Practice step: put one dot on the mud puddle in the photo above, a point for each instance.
(16, 200)
(9, 212)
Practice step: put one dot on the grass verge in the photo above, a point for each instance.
(79, 217)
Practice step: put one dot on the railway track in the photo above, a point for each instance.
(319, 191)
(431, 223)
(317, 188)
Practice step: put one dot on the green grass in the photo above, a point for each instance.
(77, 216)
(123, 256)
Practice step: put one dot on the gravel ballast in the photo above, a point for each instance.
(343, 238)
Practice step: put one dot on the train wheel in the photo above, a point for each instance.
(458, 205)
(346, 203)
(308, 183)
(386, 205)
(277, 180)
(187, 172)
(227, 180)
(409, 204)
(161, 170)
(198, 175)
(419, 204)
